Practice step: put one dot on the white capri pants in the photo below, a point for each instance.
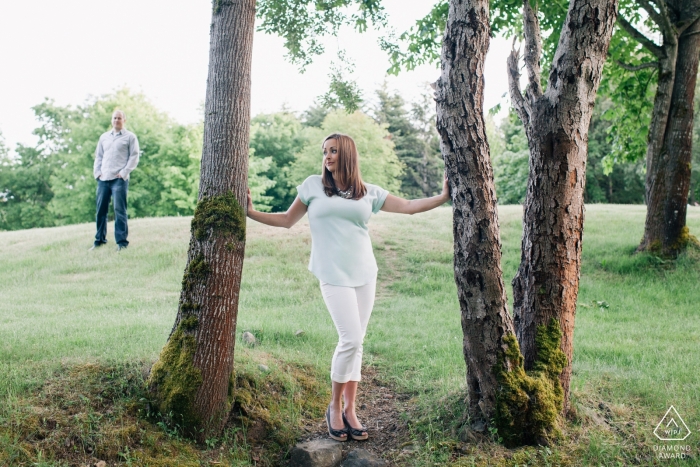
(350, 308)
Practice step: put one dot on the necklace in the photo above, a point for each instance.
(345, 193)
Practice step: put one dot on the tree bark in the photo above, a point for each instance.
(669, 150)
(523, 407)
(477, 244)
(545, 287)
(190, 381)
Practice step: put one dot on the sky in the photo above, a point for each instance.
(72, 50)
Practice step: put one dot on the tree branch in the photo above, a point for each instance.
(667, 29)
(637, 67)
(639, 37)
(682, 26)
(516, 97)
(533, 49)
(651, 11)
(692, 33)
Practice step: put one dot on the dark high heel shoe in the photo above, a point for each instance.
(335, 434)
(355, 433)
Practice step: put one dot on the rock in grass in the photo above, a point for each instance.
(479, 426)
(249, 338)
(363, 458)
(316, 453)
(299, 333)
(263, 368)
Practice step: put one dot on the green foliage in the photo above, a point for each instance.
(510, 171)
(630, 91)
(423, 41)
(528, 404)
(314, 115)
(221, 216)
(631, 94)
(378, 162)
(621, 183)
(507, 20)
(166, 180)
(52, 183)
(275, 139)
(174, 380)
(495, 137)
(342, 92)
(416, 143)
(302, 23)
(259, 183)
(25, 191)
(511, 166)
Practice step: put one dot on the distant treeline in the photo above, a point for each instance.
(51, 183)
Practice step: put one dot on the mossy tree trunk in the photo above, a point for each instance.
(477, 244)
(556, 121)
(190, 381)
(669, 150)
(523, 407)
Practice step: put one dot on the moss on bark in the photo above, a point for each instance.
(528, 404)
(221, 216)
(196, 273)
(685, 239)
(174, 380)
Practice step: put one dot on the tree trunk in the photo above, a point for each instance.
(655, 177)
(545, 287)
(190, 381)
(477, 244)
(669, 155)
(523, 406)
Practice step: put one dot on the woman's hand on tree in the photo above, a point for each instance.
(445, 188)
(250, 202)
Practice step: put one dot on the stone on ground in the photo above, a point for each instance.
(363, 458)
(316, 453)
(248, 338)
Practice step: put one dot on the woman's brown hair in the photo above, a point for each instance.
(348, 171)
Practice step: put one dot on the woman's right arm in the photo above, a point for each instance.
(278, 219)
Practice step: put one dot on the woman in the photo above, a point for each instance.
(339, 205)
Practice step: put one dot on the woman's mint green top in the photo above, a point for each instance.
(341, 251)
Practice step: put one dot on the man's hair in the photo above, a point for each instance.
(121, 112)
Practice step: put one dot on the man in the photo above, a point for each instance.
(116, 156)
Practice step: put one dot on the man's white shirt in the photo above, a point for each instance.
(117, 153)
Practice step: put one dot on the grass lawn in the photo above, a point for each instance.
(636, 348)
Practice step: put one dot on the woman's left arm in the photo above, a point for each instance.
(405, 206)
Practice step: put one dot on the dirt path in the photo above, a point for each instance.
(379, 408)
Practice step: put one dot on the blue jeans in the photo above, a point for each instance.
(116, 189)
